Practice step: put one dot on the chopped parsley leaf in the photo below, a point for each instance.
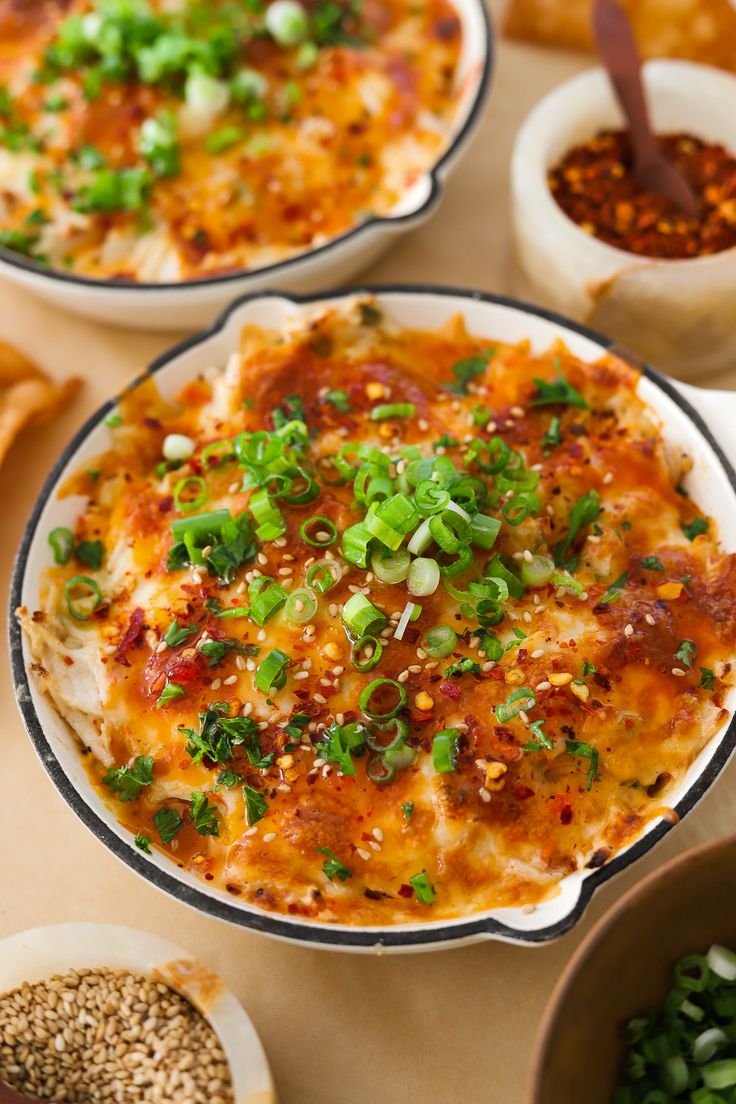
(584, 512)
(170, 692)
(90, 553)
(228, 778)
(168, 823)
(686, 652)
(465, 371)
(407, 809)
(695, 528)
(176, 634)
(557, 391)
(204, 815)
(143, 843)
(332, 866)
(652, 563)
(127, 781)
(707, 678)
(256, 805)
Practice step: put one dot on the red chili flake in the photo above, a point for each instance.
(595, 187)
(185, 670)
(449, 689)
(523, 793)
(566, 814)
(406, 891)
(131, 636)
(152, 423)
(166, 503)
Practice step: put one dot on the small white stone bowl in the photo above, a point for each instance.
(34, 955)
(678, 315)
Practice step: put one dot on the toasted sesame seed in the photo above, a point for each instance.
(261, 635)
(301, 675)
(402, 676)
(284, 571)
(76, 1037)
(161, 647)
(544, 685)
(217, 684)
(678, 671)
(537, 653)
(230, 680)
(320, 698)
(528, 556)
(269, 837)
(262, 558)
(649, 619)
(608, 477)
(364, 855)
(484, 794)
(250, 664)
(629, 630)
(233, 488)
(377, 834)
(526, 616)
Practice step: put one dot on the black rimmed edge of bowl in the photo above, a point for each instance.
(284, 267)
(324, 935)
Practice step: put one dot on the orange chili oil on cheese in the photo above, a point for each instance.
(595, 187)
(199, 142)
(574, 704)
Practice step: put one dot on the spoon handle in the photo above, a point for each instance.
(618, 51)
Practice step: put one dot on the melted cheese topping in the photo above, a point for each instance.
(603, 656)
(331, 143)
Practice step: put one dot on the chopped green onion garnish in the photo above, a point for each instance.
(361, 617)
(537, 572)
(62, 543)
(301, 605)
(444, 750)
(516, 703)
(423, 577)
(393, 410)
(378, 689)
(82, 606)
(190, 493)
(440, 641)
(318, 531)
(366, 653)
(271, 674)
(423, 888)
(390, 567)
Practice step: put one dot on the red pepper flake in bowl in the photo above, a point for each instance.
(595, 187)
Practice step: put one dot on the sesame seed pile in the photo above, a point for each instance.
(109, 1035)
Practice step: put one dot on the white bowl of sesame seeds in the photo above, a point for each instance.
(101, 1012)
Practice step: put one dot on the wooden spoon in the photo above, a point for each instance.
(618, 51)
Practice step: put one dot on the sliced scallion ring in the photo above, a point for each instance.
(83, 605)
(423, 577)
(323, 575)
(62, 544)
(391, 568)
(361, 617)
(318, 531)
(380, 686)
(271, 674)
(372, 658)
(440, 641)
(301, 605)
(379, 771)
(190, 493)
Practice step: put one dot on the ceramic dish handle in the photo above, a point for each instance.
(718, 409)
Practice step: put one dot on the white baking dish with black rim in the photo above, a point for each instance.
(187, 304)
(700, 422)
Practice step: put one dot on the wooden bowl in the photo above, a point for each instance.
(624, 966)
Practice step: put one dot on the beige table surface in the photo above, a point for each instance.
(339, 1029)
